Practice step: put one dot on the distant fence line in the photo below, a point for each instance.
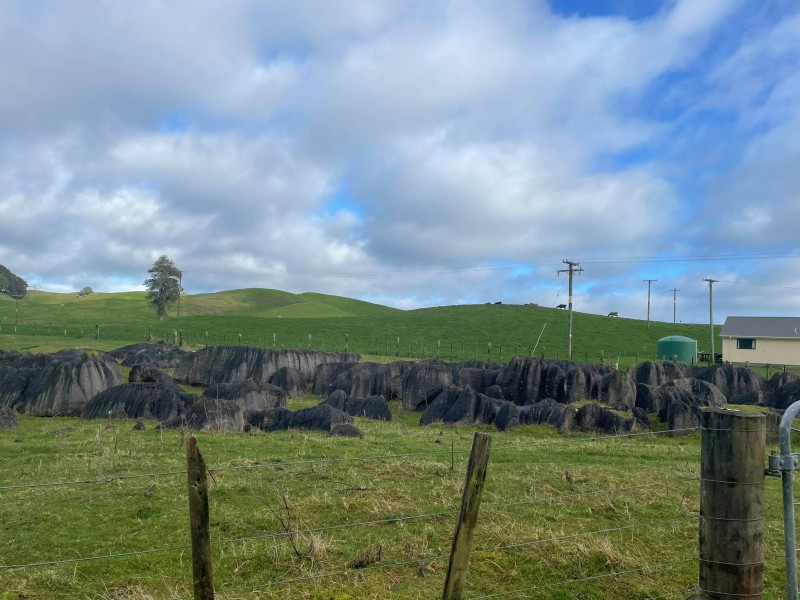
(411, 347)
(377, 345)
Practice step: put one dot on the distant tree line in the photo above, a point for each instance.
(11, 284)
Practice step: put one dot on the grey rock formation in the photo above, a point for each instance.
(733, 380)
(321, 417)
(529, 380)
(230, 364)
(291, 380)
(8, 418)
(785, 395)
(58, 384)
(149, 373)
(139, 401)
(656, 374)
(209, 414)
(372, 407)
(326, 373)
(594, 417)
(248, 394)
(424, 382)
(462, 406)
(160, 355)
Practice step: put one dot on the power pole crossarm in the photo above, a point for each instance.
(572, 268)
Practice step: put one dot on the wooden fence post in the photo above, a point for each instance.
(199, 522)
(732, 504)
(456, 579)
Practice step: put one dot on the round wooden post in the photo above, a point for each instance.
(732, 504)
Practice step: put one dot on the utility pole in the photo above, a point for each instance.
(180, 289)
(572, 268)
(674, 303)
(649, 282)
(711, 283)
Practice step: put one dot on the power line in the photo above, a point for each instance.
(545, 262)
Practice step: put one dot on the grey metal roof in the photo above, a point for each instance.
(761, 327)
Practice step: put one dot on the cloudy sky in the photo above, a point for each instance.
(408, 152)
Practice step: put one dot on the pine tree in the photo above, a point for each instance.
(163, 285)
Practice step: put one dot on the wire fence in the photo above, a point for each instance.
(578, 513)
(380, 344)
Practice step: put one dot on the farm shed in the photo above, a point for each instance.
(761, 340)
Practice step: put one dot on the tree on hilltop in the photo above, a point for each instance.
(11, 284)
(163, 285)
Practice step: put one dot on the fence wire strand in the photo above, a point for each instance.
(565, 582)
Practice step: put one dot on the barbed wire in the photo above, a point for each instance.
(67, 561)
(274, 464)
(280, 582)
(573, 536)
(614, 490)
(567, 582)
(107, 479)
(577, 440)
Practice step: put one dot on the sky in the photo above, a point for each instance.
(412, 153)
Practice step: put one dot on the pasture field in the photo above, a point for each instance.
(95, 509)
(271, 317)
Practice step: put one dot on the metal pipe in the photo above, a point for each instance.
(789, 464)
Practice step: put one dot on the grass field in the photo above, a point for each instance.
(97, 510)
(562, 516)
(267, 317)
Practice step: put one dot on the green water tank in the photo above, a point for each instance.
(678, 347)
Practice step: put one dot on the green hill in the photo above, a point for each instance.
(272, 317)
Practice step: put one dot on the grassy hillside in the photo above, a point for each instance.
(264, 317)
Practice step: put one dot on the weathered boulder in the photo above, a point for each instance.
(321, 417)
(210, 414)
(230, 364)
(616, 388)
(372, 407)
(8, 418)
(494, 391)
(326, 373)
(521, 380)
(780, 379)
(291, 380)
(544, 412)
(784, 396)
(424, 382)
(149, 373)
(462, 406)
(139, 401)
(58, 384)
(682, 418)
(160, 355)
(733, 380)
(366, 379)
(656, 374)
(649, 398)
(529, 380)
(248, 394)
(595, 417)
(479, 376)
(13, 381)
(756, 398)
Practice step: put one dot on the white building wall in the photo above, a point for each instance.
(774, 352)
